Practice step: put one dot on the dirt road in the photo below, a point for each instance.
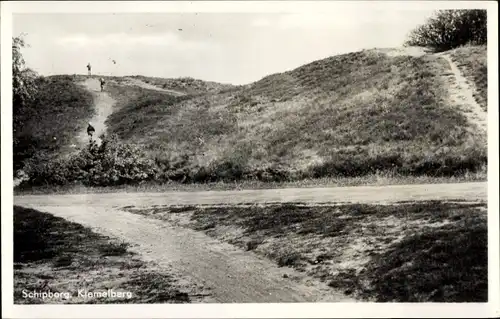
(231, 275)
(358, 194)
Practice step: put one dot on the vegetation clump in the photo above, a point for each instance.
(449, 29)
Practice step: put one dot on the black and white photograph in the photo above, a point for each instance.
(250, 153)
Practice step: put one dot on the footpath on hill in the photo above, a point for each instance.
(144, 85)
(103, 105)
(460, 90)
(461, 94)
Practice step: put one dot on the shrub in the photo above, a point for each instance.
(254, 243)
(439, 162)
(110, 163)
(228, 170)
(449, 29)
(289, 259)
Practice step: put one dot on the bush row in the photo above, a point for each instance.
(107, 164)
(113, 163)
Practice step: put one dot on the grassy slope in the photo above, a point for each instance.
(51, 253)
(145, 110)
(60, 110)
(473, 61)
(411, 252)
(350, 115)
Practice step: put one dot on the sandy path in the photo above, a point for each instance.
(144, 85)
(461, 94)
(230, 274)
(358, 194)
(103, 104)
(403, 51)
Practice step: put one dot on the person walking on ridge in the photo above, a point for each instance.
(89, 67)
(102, 84)
(90, 130)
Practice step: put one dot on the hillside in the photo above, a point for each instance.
(347, 115)
(380, 112)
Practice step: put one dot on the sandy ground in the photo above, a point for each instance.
(462, 94)
(404, 51)
(144, 85)
(357, 194)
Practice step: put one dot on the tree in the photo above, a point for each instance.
(449, 29)
(23, 78)
(24, 89)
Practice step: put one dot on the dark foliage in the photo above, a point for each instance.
(450, 29)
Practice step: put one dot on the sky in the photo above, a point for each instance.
(236, 48)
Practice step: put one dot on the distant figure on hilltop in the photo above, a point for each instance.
(90, 130)
(102, 83)
(89, 67)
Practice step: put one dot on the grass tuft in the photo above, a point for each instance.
(114, 249)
